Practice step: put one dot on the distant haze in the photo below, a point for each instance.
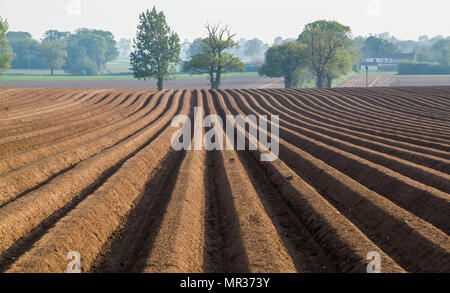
(263, 19)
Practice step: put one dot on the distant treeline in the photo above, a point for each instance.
(84, 52)
(432, 55)
(422, 68)
(87, 51)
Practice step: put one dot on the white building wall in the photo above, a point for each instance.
(371, 68)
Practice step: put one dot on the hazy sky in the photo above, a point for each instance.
(264, 19)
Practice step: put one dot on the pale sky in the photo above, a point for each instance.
(264, 19)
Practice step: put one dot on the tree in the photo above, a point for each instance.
(194, 48)
(286, 61)
(100, 45)
(77, 61)
(253, 48)
(326, 42)
(213, 58)
(278, 41)
(441, 49)
(55, 36)
(25, 49)
(156, 48)
(424, 39)
(111, 52)
(124, 47)
(340, 64)
(184, 48)
(53, 54)
(95, 48)
(87, 47)
(378, 47)
(425, 54)
(5, 49)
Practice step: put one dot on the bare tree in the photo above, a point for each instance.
(213, 59)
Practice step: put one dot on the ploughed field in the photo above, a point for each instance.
(93, 171)
(397, 81)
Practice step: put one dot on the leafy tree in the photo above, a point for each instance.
(124, 47)
(326, 43)
(87, 47)
(278, 40)
(359, 42)
(25, 49)
(341, 64)
(425, 54)
(156, 48)
(253, 48)
(378, 47)
(281, 41)
(302, 76)
(213, 58)
(55, 36)
(194, 48)
(78, 62)
(100, 45)
(95, 48)
(184, 48)
(53, 54)
(285, 61)
(111, 52)
(441, 50)
(436, 39)
(424, 39)
(5, 49)
(84, 66)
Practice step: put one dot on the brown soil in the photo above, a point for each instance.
(93, 171)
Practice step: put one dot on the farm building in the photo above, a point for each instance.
(388, 62)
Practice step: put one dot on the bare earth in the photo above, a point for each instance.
(182, 83)
(360, 171)
(394, 81)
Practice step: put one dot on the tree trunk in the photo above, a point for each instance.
(211, 78)
(288, 81)
(51, 71)
(329, 81)
(160, 83)
(319, 81)
(218, 77)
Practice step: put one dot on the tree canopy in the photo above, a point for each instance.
(5, 49)
(124, 47)
(53, 54)
(441, 50)
(55, 36)
(99, 46)
(378, 47)
(285, 61)
(84, 52)
(156, 48)
(26, 50)
(213, 58)
(254, 48)
(194, 48)
(328, 44)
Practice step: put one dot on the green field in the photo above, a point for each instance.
(34, 76)
(117, 70)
